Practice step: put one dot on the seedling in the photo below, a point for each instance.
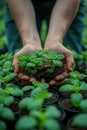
(7, 94)
(76, 97)
(80, 120)
(34, 61)
(40, 119)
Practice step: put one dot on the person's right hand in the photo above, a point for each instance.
(28, 48)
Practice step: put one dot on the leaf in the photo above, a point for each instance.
(52, 111)
(8, 100)
(83, 86)
(2, 125)
(26, 123)
(76, 98)
(80, 120)
(30, 65)
(60, 57)
(27, 88)
(7, 114)
(57, 63)
(22, 63)
(83, 105)
(51, 124)
(1, 107)
(17, 92)
(66, 87)
(30, 103)
(9, 77)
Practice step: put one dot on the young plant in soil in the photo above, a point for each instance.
(76, 97)
(41, 64)
(75, 79)
(37, 87)
(6, 70)
(38, 118)
(10, 94)
(80, 120)
(81, 61)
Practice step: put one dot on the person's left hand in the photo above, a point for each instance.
(67, 63)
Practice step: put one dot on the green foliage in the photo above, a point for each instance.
(76, 98)
(26, 123)
(83, 105)
(80, 120)
(2, 125)
(7, 114)
(76, 86)
(47, 118)
(34, 61)
(30, 103)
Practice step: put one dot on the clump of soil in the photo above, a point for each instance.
(44, 74)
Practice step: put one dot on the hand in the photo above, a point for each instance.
(68, 62)
(28, 48)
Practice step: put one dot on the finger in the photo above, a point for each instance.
(70, 63)
(52, 83)
(59, 83)
(15, 65)
(31, 80)
(23, 77)
(43, 80)
(62, 76)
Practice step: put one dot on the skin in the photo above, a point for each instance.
(62, 16)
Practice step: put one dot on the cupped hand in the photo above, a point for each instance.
(28, 48)
(68, 62)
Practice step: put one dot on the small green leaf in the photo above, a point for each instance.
(30, 103)
(2, 125)
(60, 57)
(83, 86)
(8, 100)
(76, 98)
(51, 124)
(26, 123)
(17, 92)
(9, 77)
(30, 65)
(57, 63)
(52, 111)
(22, 63)
(1, 107)
(27, 88)
(80, 120)
(66, 87)
(83, 105)
(7, 114)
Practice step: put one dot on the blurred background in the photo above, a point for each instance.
(3, 40)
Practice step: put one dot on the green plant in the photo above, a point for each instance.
(6, 113)
(8, 93)
(33, 62)
(80, 120)
(40, 120)
(6, 69)
(38, 94)
(76, 87)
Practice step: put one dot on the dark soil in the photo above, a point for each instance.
(53, 99)
(43, 74)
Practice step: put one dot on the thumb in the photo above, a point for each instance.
(15, 65)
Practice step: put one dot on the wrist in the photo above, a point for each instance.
(53, 39)
(34, 40)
